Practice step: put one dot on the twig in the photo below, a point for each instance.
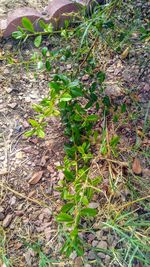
(88, 54)
(40, 203)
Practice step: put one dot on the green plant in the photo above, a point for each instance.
(4, 261)
(78, 106)
(66, 98)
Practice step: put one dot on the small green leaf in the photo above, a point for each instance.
(77, 117)
(85, 200)
(69, 175)
(42, 24)
(114, 141)
(67, 207)
(64, 217)
(101, 76)
(29, 133)
(20, 29)
(49, 28)
(66, 97)
(88, 212)
(123, 108)
(27, 24)
(18, 35)
(48, 65)
(106, 101)
(40, 133)
(44, 51)
(96, 180)
(33, 123)
(37, 108)
(92, 117)
(55, 85)
(76, 92)
(38, 41)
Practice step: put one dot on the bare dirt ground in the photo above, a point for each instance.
(6, 5)
(27, 205)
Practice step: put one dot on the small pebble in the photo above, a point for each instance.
(94, 243)
(102, 245)
(2, 216)
(85, 78)
(91, 255)
(7, 220)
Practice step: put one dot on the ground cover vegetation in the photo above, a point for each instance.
(104, 146)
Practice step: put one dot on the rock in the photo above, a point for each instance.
(146, 87)
(12, 105)
(146, 172)
(104, 237)
(2, 216)
(113, 90)
(91, 255)
(91, 237)
(19, 213)
(101, 255)
(57, 164)
(1, 209)
(19, 155)
(107, 260)
(85, 78)
(7, 220)
(102, 245)
(78, 262)
(9, 90)
(69, 66)
(93, 205)
(13, 201)
(94, 243)
(73, 255)
(61, 175)
(27, 99)
(25, 124)
(136, 166)
(99, 234)
(47, 213)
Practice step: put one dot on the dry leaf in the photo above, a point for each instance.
(125, 53)
(36, 178)
(136, 166)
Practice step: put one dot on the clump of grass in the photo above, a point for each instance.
(4, 261)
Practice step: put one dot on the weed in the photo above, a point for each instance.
(81, 107)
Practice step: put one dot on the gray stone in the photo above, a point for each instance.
(101, 255)
(2, 216)
(91, 255)
(107, 260)
(102, 245)
(94, 243)
(93, 205)
(9, 90)
(12, 105)
(99, 234)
